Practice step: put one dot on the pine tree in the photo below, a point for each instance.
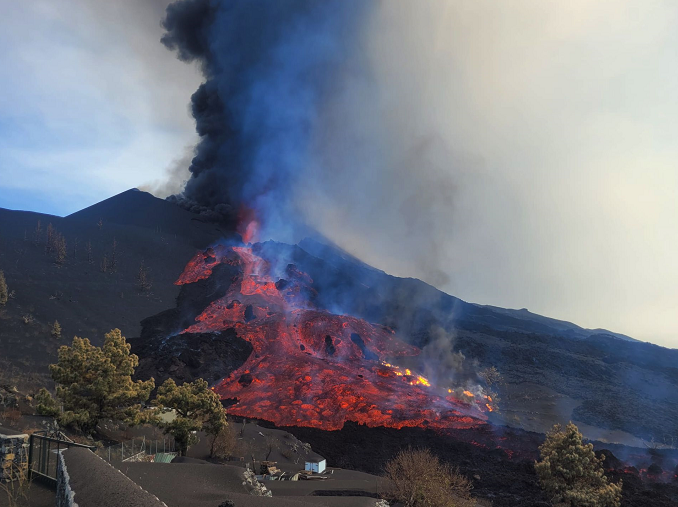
(197, 408)
(96, 382)
(570, 472)
(104, 264)
(88, 248)
(4, 291)
(56, 329)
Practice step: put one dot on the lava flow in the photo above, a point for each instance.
(312, 368)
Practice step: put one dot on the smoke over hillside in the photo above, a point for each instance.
(491, 150)
(295, 123)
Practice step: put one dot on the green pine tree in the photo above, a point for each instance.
(197, 408)
(94, 383)
(570, 472)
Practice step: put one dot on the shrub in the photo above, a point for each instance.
(224, 443)
(570, 472)
(11, 416)
(46, 405)
(418, 479)
(56, 330)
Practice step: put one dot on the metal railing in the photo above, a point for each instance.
(43, 454)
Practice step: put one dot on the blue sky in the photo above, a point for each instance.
(91, 103)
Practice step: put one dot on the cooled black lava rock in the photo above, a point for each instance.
(245, 379)
(367, 353)
(330, 349)
(185, 357)
(249, 314)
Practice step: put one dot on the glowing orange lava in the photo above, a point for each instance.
(309, 367)
(248, 226)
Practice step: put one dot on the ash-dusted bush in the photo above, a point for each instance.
(224, 442)
(570, 472)
(417, 478)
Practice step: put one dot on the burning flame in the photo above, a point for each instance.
(414, 380)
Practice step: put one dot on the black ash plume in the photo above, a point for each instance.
(268, 67)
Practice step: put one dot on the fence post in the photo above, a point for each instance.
(30, 456)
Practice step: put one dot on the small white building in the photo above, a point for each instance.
(317, 466)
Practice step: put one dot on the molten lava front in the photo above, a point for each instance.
(312, 368)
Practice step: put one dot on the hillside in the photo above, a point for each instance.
(554, 371)
(86, 301)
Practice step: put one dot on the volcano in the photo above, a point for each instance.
(310, 367)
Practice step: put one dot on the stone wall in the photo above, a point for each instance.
(13, 453)
(64, 494)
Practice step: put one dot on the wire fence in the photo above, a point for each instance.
(140, 449)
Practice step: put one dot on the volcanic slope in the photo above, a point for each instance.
(121, 233)
(553, 370)
(550, 376)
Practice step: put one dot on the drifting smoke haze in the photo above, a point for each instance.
(496, 151)
(442, 365)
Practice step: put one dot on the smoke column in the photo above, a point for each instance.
(268, 67)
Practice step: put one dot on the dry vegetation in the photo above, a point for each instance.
(417, 478)
(16, 490)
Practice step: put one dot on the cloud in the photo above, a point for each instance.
(515, 154)
(92, 104)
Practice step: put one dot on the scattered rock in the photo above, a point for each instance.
(254, 486)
